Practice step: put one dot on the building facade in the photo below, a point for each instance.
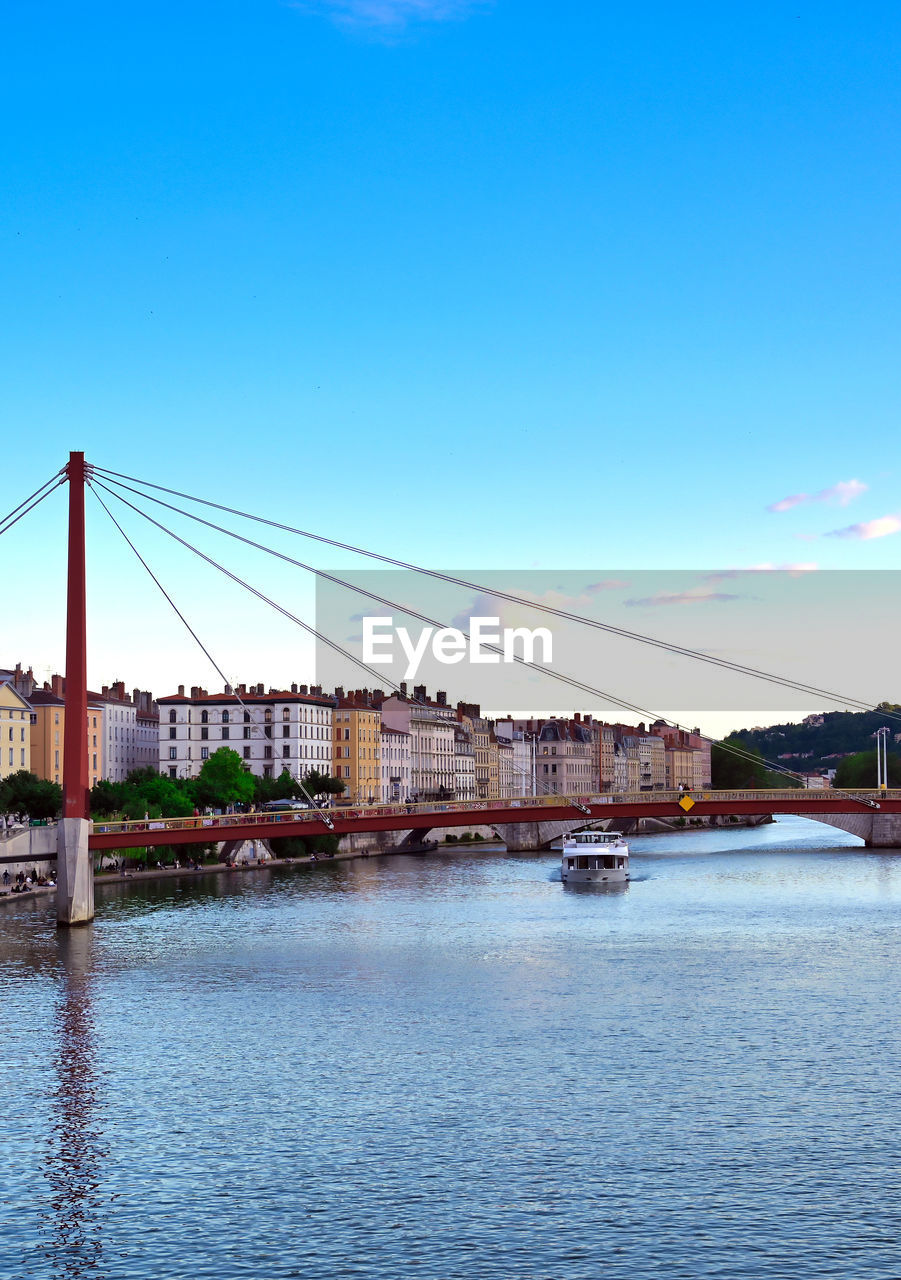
(357, 746)
(272, 731)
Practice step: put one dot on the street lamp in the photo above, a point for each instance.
(882, 758)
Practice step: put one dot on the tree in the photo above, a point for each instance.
(223, 780)
(284, 787)
(733, 772)
(107, 798)
(318, 784)
(860, 770)
(26, 793)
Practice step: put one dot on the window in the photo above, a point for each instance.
(267, 716)
(286, 713)
(173, 753)
(56, 717)
(247, 717)
(267, 752)
(225, 731)
(224, 718)
(204, 753)
(95, 762)
(172, 733)
(346, 735)
(204, 732)
(286, 753)
(204, 717)
(173, 772)
(286, 731)
(172, 717)
(246, 731)
(247, 753)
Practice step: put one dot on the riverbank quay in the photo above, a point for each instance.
(168, 873)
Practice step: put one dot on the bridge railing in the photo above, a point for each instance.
(216, 823)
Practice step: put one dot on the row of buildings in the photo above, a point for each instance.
(122, 729)
(397, 747)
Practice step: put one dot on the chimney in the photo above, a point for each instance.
(441, 698)
(339, 691)
(242, 690)
(195, 691)
(304, 689)
(403, 688)
(419, 693)
(104, 691)
(181, 690)
(229, 690)
(294, 687)
(119, 688)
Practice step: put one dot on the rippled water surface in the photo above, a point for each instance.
(456, 1067)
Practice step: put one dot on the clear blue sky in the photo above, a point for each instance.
(496, 284)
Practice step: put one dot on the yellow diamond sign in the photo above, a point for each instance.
(686, 803)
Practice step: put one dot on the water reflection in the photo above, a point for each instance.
(75, 1151)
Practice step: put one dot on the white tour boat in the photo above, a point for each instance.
(595, 857)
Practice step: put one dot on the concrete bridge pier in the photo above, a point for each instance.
(74, 873)
(885, 831)
(527, 837)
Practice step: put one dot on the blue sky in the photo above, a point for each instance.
(489, 284)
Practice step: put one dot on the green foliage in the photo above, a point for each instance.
(144, 791)
(732, 772)
(284, 787)
(860, 770)
(26, 793)
(303, 846)
(319, 785)
(107, 798)
(819, 746)
(223, 780)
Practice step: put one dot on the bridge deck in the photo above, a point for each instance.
(493, 813)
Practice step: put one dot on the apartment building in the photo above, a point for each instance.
(271, 730)
(357, 746)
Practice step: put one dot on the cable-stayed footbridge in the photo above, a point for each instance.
(524, 822)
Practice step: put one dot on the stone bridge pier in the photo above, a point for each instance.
(877, 830)
(527, 837)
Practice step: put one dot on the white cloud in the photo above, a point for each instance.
(389, 14)
(881, 527)
(803, 566)
(694, 595)
(843, 492)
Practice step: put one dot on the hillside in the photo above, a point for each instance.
(821, 741)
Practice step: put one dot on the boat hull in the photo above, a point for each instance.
(594, 877)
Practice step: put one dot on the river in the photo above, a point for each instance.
(456, 1067)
